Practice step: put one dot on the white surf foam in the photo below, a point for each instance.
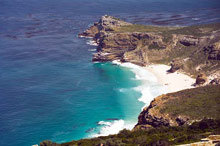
(122, 89)
(81, 36)
(92, 43)
(104, 123)
(92, 50)
(147, 90)
(112, 127)
(196, 19)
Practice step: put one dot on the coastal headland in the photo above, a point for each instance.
(182, 58)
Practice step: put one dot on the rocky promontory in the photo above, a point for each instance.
(181, 108)
(193, 49)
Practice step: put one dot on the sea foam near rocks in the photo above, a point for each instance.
(149, 83)
(112, 127)
(92, 43)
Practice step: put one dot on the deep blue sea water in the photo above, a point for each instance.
(50, 89)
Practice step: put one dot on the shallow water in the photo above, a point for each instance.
(50, 89)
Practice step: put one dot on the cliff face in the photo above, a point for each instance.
(192, 49)
(181, 108)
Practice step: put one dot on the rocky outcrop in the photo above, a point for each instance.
(181, 108)
(151, 117)
(188, 49)
(92, 31)
(105, 24)
(213, 51)
(188, 40)
(176, 64)
(215, 81)
(201, 79)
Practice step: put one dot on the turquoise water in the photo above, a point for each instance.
(50, 89)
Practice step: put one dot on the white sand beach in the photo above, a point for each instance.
(171, 81)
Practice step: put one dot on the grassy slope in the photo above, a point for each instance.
(180, 51)
(197, 103)
(197, 30)
(166, 135)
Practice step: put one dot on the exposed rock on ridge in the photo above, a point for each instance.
(181, 108)
(190, 49)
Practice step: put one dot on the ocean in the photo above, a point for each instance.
(49, 87)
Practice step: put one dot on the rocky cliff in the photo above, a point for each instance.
(194, 49)
(181, 108)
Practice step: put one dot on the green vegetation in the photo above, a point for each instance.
(165, 135)
(197, 30)
(194, 53)
(143, 28)
(197, 103)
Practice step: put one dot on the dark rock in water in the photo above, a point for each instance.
(201, 79)
(90, 130)
(112, 119)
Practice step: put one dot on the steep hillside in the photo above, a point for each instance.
(163, 136)
(182, 108)
(193, 49)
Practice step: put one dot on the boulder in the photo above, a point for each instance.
(189, 40)
(213, 51)
(91, 31)
(201, 79)
(215, 81)
(176, 64)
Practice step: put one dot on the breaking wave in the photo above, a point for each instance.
(112, 127)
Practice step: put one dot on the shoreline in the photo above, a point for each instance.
(148, 88)
(172, 82)
(152, 77)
